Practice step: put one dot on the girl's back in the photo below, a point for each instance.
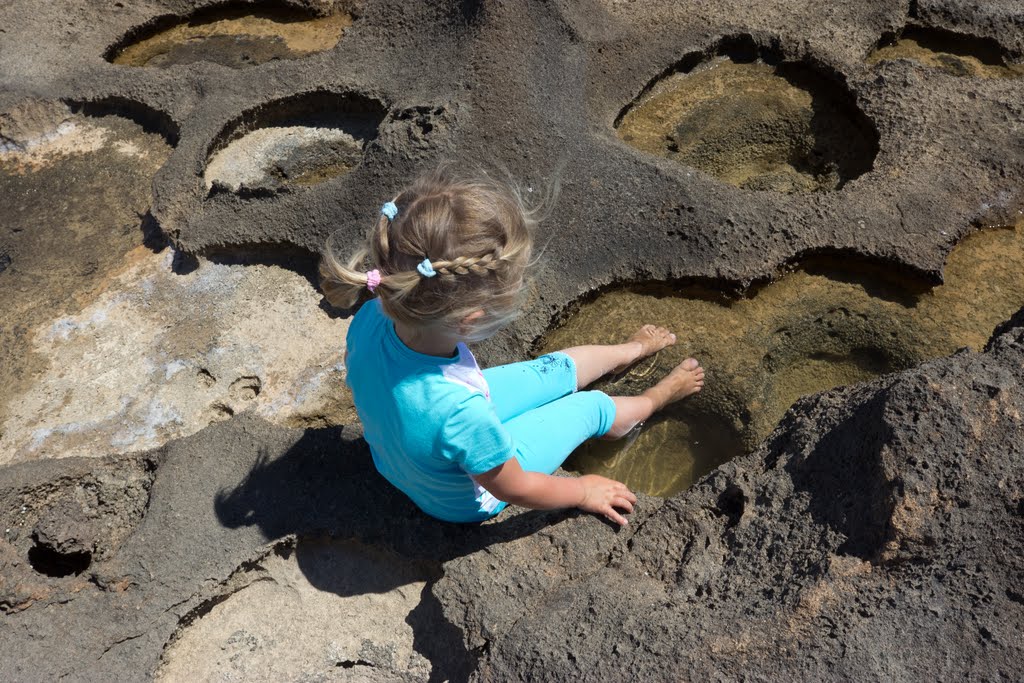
(427, 419)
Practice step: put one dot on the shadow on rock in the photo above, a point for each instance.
(843, 477)
(325, 485)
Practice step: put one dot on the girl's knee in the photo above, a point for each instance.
(603, 410)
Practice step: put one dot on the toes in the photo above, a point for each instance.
(654, 338)
(691, 364)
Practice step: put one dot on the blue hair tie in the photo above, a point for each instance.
(390, 209)
(425, 269)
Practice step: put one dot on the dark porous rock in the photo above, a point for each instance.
(486, 592)
(877, 534)
(1008, 333)
(58, 517)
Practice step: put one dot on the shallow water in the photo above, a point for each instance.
(235, 38)
(954, 54)
(823, 326)
(754, 125)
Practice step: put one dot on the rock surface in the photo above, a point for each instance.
(878, 533)
(875, 534)
(160, 354)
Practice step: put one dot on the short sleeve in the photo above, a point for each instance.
(473, 437)
(368, 315)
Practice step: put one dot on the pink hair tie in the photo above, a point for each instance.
(372, 279)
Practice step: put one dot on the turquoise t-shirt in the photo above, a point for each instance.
(428, 420)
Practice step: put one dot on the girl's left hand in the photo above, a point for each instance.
(602, 496)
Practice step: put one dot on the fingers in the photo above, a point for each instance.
(622, 498)
(622, 502)
(609, 512)
(623, 490)
(607, 497)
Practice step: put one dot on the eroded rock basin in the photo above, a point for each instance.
(231, 36)
(955, 54)
(754, 125)
(825, 325)
(271, 158)
(293, 142)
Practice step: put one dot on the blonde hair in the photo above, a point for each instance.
(477, 234)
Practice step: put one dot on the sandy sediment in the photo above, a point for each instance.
(232, 37)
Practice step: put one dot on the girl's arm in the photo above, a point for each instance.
(511, 483)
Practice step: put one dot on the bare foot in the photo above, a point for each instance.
(650, 339)
(686, 379)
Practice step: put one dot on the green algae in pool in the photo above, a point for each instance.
(234, 37)
(953, 53)
(812, 330)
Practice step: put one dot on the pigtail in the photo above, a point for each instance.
(342, 283)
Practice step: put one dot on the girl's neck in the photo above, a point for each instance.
(429, 342)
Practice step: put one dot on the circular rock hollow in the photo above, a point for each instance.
(703, 440)
(754, 122)
(51, 562)
(954, 53)
(830, 323)
(295, 142)
(232, 34)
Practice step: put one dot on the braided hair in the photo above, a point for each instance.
(472, 236)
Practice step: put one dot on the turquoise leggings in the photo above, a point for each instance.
(538, 404)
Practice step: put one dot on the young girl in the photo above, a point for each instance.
(447, 260)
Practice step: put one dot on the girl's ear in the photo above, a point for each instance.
(466, 324)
